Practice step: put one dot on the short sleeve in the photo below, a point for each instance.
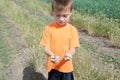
(45, 41)
(74, 42)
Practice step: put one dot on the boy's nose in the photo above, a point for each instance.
(61, 18)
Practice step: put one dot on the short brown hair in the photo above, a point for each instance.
(60, 5)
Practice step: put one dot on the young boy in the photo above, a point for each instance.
(60, 40)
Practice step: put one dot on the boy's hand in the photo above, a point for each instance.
(68, 56)
(54, 58)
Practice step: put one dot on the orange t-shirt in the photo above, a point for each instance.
(60, 39)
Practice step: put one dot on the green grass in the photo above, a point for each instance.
(4, 60)
(31, 18)
(4, 48)
(98, 26)
(105, 19)
(96, 7)
(92, 65)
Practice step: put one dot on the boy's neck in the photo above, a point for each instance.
(60, 25)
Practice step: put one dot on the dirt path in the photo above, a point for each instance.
(101, 47)
(104, 43)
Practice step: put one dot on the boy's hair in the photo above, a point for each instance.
(61, 5)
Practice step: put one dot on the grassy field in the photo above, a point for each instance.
(96, 7)
(30, 16)
(4, 48)
(97, 27)
(99, 18)
(105, 19)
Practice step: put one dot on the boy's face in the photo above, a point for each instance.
(62, 17)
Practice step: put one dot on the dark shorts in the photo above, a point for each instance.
(56, 75)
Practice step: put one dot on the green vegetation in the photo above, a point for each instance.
(30, 16)
(3, 52)
(3, 59)
(111, 8)
(4, 48)
(105, 19)
(98, 27)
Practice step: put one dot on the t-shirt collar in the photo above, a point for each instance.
(57, 25)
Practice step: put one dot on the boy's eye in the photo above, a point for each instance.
(58, 15)
(64, 15)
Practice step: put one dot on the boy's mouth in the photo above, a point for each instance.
(62, 23)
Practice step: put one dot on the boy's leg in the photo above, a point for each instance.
(54, 75)
(68, 76)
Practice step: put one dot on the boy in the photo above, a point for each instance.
(60, 40)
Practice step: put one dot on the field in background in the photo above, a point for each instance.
(109, 8)
(30, 16)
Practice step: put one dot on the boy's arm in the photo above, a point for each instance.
(48, 51)
(72, 51)
(53, 57)
(69, 54)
